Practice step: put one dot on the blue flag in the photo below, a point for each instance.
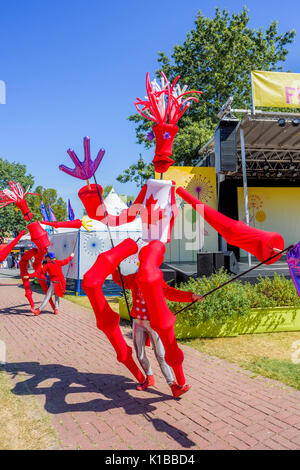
(70, 211)
(44, 212)
(52, 216)
(293, 260)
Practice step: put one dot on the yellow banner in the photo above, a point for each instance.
(276, 89)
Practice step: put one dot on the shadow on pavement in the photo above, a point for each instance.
(65, 381)
(25, 311)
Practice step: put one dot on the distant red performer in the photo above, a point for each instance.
(15, 194)
(52, 267)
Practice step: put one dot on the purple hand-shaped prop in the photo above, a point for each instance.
(293, 260)
(86, 169)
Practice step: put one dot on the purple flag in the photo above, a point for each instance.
(52, 216)
(293, 260)
(70, 211)
(44, 212)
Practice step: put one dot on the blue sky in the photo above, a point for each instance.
(74, 68)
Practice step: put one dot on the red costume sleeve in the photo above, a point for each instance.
(67, 224)
(38, 273)
(4, 251)
(127, 280)
(257, 242)
(32, 275)
(90, 199)
(63, 262)
(176, 295)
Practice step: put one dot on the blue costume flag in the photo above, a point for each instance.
(293, 260)
(52, 216)
(44, 212)
(70, 211)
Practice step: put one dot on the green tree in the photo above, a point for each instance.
(49, 196)
(138, 172)
(11, 219)
(216, 57)
(125, 197)
(106, 190)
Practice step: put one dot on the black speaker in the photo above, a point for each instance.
(169, 276)
(205, 264)
(230, 262)
(226, 159)
(218, 260)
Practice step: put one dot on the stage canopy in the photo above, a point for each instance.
(272, 146)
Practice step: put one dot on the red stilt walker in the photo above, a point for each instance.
(165, 104)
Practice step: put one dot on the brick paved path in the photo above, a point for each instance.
(92, 401)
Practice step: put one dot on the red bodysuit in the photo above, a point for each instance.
(53, 268)
(139, 308)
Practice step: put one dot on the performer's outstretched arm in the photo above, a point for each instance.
(177, 295)
(76, 223)
(63, 262)
(4, 252)
(259, 243)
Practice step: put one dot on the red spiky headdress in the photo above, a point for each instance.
(165, 105)
(16, 195)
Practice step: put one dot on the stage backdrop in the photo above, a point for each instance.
(190, 232)
(273, 209)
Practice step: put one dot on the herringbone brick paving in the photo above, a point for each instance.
(93, 403)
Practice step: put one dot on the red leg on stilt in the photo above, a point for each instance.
(108, 320)
(38, 256)
(162, 320)
(28, 292)
(24, 272)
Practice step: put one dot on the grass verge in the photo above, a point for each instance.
(24, 424)
(267, 354)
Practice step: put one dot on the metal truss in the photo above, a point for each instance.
(274, 164)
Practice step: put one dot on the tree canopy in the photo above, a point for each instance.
(216, 58)
(49, 196)
(11, 219)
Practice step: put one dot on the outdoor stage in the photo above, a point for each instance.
(180, 272)
(189, 269)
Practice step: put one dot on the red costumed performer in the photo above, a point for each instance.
(57, 286)
(16, 195)
(157, 207)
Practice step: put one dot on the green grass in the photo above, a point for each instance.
(266, 354)
(283, 370)
(24, 423)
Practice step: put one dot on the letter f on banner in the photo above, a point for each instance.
(289, 93)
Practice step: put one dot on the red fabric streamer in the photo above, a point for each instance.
(150, 280)
(5, 250)
(76, 223)
(108, 320)
(257, 242)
